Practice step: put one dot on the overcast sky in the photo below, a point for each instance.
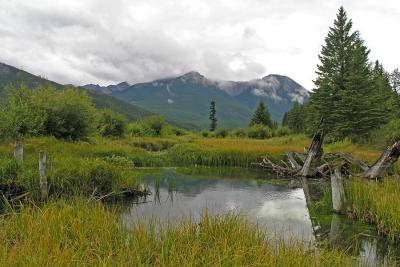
(99, 41)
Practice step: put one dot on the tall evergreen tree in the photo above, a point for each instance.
(261, 116)
(346, 95)
(357, 112)
(213, 116)
(296, 118)
(333, 72)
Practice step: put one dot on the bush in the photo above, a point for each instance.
(387, 134)
(135, 129)
(66, 114)
(221, 133)
(282, 131)
(111, 123)
(204, 133)
(18, 117)
(259, 132)
(240, 133)
(153, 125)
(70, 113)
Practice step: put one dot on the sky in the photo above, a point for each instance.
(98, 41)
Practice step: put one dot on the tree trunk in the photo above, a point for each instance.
(18, 151)
(383, 164)
(338, 193)
(313, 158)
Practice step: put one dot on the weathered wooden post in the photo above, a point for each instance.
(338, 193)
(18, 151)
(42, 174)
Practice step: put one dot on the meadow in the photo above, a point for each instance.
(72, 227)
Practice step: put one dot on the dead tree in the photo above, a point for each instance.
(316, 164)
(314, 155)
(384, 163)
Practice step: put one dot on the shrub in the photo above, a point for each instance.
(282, 131)
(66, 114)
(240, 133)
(18, 117)
(111, 123)
(387, 134)
(221, 133)
(70, 112)
(154, 125)
(259, 132)
(205, 133)
(135, 129)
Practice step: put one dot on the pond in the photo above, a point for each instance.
(279, 206)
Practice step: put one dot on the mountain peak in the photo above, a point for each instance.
(192, 75)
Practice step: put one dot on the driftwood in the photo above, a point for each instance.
(124, 193)
(382, 165)
(315, 164)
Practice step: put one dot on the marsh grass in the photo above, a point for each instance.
(84, 233)
(103, 165)
(377, 203)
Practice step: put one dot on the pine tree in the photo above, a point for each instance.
(261, 116)
(212, 117)
(333, 72)
(358, 111)
(296, 118)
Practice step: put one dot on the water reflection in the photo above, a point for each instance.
(279, 208)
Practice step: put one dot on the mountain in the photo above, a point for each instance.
(11, 77)
(107, 89)
(187, 98)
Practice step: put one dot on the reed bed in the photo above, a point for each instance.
(82, 233)
(377, 203)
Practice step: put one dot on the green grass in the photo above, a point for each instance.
(85, 233)
(377, 203)
(103, 165)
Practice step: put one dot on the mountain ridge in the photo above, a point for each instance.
(279, 92)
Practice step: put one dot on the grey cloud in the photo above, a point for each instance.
(99, 41)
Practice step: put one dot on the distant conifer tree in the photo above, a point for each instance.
(261, 116)
(213, 117)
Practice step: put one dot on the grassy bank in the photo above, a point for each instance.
(104, 165)
(377, 203)
(87, 234)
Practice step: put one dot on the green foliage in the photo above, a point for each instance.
(282, 131)
(221, 132)
(387, 134)
(258, 131)
(240, 132)
(19, 117)
(111, 123)
(213, 117)
(70, 113)
(296, 118)
(153, 125)
(204, 133)
(66, 114)
(135, 129)
(347, 96)
(261, 116)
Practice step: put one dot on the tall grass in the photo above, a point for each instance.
(87, 234)
(377, 203)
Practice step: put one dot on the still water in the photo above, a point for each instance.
(277, 206)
